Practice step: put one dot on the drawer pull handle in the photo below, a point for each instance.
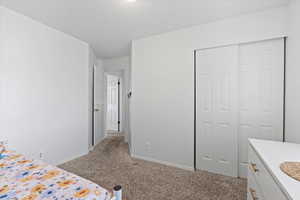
(253, 167)
(253, 194)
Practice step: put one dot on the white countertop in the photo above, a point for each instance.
(273, 154)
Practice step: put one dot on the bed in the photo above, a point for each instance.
(27, 179)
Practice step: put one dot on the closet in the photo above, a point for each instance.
(239, 95)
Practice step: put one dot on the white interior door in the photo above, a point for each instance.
(98, 104)
(112, 103)
(261, 77)
(217, 112)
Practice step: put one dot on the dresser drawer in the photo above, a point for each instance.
(269, 189)
(253, 192)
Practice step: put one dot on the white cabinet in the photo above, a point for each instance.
(265, 179)
(254, 192)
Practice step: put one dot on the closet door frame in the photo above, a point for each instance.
(285, 38)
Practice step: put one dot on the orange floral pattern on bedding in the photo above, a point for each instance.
(27, 179)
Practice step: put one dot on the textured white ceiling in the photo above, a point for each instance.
(110, 25)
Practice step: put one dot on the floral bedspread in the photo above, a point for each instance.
(27, 179)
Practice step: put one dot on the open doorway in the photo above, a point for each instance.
(113, 104)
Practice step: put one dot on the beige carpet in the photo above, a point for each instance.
(109, 164)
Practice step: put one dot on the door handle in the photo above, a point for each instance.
(96, 110)
(253, 194)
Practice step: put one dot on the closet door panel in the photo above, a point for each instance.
(261, 76)
(216, 71)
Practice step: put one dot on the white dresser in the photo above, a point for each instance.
(265, 179)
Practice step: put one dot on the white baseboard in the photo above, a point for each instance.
(185, 167)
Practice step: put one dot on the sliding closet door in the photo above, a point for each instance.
(217, 110)
(261, 78)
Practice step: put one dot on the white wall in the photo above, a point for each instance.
(162, 105)
(292, 74)
(43, 90)
(1, 31)
(121, 66)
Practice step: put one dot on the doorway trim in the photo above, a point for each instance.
(93, 106)
(119, 105)
(284, 88)
(195, 110)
